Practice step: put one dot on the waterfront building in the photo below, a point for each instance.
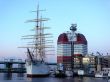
(105, 64)
(72, 54)
(71, 48)
(102, 61)
(89, 64)
(95, 63)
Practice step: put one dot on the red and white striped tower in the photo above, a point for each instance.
(71, 46)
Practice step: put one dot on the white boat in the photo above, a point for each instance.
(59, 72)
(99, 74)
(108, 74)
(35, 69)
(102, 74)
(69, 73)
(36, 53)
(81, 72)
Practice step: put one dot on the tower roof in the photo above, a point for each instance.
(80, 39)
(62, 38)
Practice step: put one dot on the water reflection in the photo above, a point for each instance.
(20, 77)
(8, 76)
(43, 80)
(78, 79)
(13, 76)
(53, 79)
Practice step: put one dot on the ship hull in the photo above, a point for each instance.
(39, 69)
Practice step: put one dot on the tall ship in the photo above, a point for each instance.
(38, 48)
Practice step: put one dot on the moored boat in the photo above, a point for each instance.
(36, 53)
(99, 74)
(69, 73)
(37, 69)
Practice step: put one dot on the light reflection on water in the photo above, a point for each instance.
(7, 76)
(20, 77)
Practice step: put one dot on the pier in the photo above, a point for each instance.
(8, 66)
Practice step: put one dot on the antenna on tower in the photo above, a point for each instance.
(73, 27)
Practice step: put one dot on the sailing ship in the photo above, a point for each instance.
(35, 62)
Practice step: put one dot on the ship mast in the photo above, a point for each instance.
(38, 48)
(38, 33)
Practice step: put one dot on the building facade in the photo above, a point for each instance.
(89, 64)
(71, 48)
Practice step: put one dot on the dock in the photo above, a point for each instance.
(8, 66)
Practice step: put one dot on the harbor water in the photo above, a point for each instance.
(20, 77)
